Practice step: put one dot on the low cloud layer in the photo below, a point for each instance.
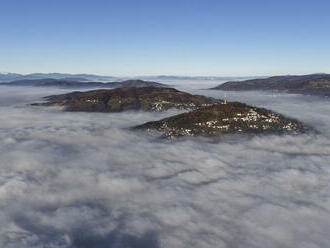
(81, 180)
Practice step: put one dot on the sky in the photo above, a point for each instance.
(172, 37)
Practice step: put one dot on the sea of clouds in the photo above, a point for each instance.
(83, 180)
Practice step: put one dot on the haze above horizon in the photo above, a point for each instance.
(185, 37)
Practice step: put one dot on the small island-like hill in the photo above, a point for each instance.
(123, 99)
(225, 118)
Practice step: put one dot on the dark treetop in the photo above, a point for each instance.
(122, 99)
(315, 84)
(218, 119)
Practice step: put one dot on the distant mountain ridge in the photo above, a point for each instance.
(49, 82)
(8, 77)
(193, 78)
(313, 84)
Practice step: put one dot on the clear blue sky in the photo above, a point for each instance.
(177, 37)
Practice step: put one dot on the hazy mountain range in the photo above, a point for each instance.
(64, 83)
(8, 77)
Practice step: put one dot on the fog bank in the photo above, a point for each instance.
(70, 180)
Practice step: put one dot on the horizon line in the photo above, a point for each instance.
(167, 75)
